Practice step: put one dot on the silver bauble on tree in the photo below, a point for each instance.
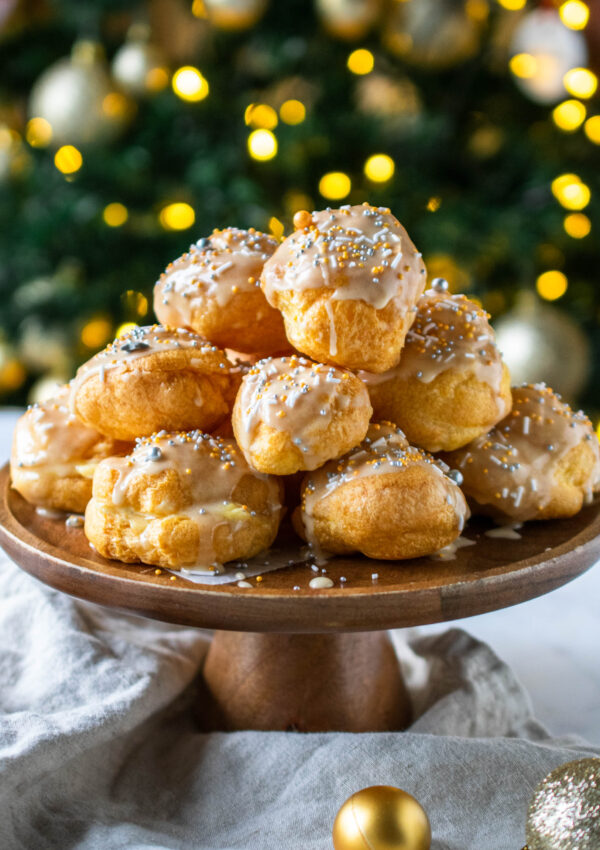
(564, 812)
(435, 33)
(541, 343)
(554, 49)
(76, 97)
(139, 66)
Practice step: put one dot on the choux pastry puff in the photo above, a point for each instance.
(182, 499)
(450, 385)
(346, 282)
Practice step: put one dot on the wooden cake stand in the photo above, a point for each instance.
(310, 660)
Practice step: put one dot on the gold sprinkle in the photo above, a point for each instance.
(157, 572)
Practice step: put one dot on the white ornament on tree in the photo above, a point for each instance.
(549, 49)
(76, 97)
(138, 66)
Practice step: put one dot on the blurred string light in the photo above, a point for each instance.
(577, 225)
(592, 129)
(574, 14)
(262, 145)
(125, 328)
(261, 115)
(116, 105)
(335, 185)
(379, 168)
(551, 285)
(115, 214)
(189, 84)
(512, 5)
(68, 159)
(276, 227)
(38, 132)
(96, 332)
(571, 192)
(292, 112)
(580, 82)
(157, 79)
(523, 65)
(433, 204)
(569, 115)
(135, 302)
(361, 61)
(177, 216)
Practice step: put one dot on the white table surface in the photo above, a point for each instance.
(551, 642)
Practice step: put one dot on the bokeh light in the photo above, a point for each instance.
(262, 145)
(379, 167)
(523, 65)
(512, 5)
(261, 115)
(292, 111)
(177, 216)
(276, 227)
(577, 225)
(115, 214)
(580, 82)
(189, 84)
(335, 185)
(574, 14)
(551, 285)
(38, 132)
(125, 328)
(570, 191)
(569, 115)
(361, 61)
(592, 129)
(68, 159)
(96, 332)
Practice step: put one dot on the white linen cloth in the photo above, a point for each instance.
(99, 748)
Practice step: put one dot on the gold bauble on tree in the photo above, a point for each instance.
(435, 33)
(564, 812)
(234, 14)
(76, 97)
(381, 818)
(348, 19)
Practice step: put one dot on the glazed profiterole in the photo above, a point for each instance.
(54, 455)
(182, 500)
(385, 498)
(450, 385)
(292, 414)
(214, 289)
(154, 378)
(541, 462)
(346, 282)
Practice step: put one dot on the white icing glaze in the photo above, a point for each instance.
(320, 582)
(289, 394)
(512, 468)
(448, 553)
(218, 267)
(505, 532)
(359, 252)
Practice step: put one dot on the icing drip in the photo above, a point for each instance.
(48, 435)
(449, 332)
(218, 266)
(142, 342)
(384, 450)
(289, 394)
(359, 252)
(209, 469)
(512, 468)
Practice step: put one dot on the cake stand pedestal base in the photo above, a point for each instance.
(304, 682)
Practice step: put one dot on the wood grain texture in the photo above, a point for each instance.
(305, 683)
(493, 574)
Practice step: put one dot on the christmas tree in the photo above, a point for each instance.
(128, 131)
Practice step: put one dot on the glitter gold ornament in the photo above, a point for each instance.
(564, 812)
(381, 818)
(348, 19)
(234, 14)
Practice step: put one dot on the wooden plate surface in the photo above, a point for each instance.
(493, 574)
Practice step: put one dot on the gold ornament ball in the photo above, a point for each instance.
(564, 812)
(381, 818)
(235, 14)
(349, 19)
